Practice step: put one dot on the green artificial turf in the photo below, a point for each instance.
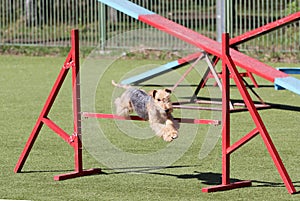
(25, 83)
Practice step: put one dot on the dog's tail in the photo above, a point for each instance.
(124, 86)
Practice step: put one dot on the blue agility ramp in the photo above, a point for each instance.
(127, 7)
(288, 82)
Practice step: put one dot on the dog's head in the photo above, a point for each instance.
(162, 99)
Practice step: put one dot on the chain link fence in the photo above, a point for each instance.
(48, 22)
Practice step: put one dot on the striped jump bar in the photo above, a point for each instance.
(137, 118)
(210, 46)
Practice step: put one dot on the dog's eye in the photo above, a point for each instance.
(158, 99)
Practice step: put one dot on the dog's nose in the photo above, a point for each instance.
(174, 137)
(167, 110)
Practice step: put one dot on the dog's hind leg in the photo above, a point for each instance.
(123, 108)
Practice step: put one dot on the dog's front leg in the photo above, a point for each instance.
(165, 130)
(174, 122)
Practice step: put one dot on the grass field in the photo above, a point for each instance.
(26, 82)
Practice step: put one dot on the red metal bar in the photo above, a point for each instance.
(250, 75)
(58, 130)
(225, 112)
(109, 116)
(242, 141)
(229, 186)
(186, 72)
(76, 101)
(265, 29)
(75, 174)
(180, 120)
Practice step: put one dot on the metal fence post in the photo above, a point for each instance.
(102, 26)
(220, 18)
(228, 12)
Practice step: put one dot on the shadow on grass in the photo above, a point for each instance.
(207, 178)
(43, 171)
(56, 171)
(143, 170)
(210, 178)
(284, 107)
(272, 105)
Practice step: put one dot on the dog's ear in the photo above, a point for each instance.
(153, 93)
(168, 91)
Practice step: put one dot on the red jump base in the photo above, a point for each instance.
(224, 187)
(77, 174)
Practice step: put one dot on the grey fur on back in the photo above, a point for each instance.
(139, 100)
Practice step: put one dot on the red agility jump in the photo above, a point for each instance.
(74, 140)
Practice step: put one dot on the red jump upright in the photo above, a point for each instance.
(74, 140)
(230, 58)
(228, 66)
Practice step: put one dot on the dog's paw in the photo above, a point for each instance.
(170, 135)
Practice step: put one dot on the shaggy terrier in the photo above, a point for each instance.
(154, 107)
